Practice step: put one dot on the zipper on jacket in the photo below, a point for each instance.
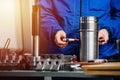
(80, 8)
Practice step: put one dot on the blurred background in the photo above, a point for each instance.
(16, 24)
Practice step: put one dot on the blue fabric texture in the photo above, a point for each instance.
(65, 15)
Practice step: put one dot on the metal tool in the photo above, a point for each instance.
(75, 40)
(70, 39)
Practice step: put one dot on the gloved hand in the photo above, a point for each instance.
(58, 39)
(104, 35)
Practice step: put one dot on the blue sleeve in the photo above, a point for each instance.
(49, 24)
(113, 25)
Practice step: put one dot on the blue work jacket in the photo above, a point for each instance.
(65, 15)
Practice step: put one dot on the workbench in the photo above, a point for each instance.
(97, 70)
(104, 69)
(46, 74)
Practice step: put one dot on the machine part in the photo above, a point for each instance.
(47, 65)
(56, 65)
(76, 67)
(100, 60)
(7, 43)
(89, 38)
(40, 65)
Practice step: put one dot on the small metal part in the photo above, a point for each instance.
(47, 65)
(7, 43)
(40, 65)
(56, 65)
(98, 60)
(70, 39)
(74, 58)
(101, 60)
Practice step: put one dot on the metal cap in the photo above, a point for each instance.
(88, 19)
(88, 23)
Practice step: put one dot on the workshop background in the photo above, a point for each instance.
(18, 27)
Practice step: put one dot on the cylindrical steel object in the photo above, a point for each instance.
(36, 45)
(88, 38)
(36, 28)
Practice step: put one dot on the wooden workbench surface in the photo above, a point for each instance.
(110, 68)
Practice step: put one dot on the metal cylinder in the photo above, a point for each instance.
(88, 38)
